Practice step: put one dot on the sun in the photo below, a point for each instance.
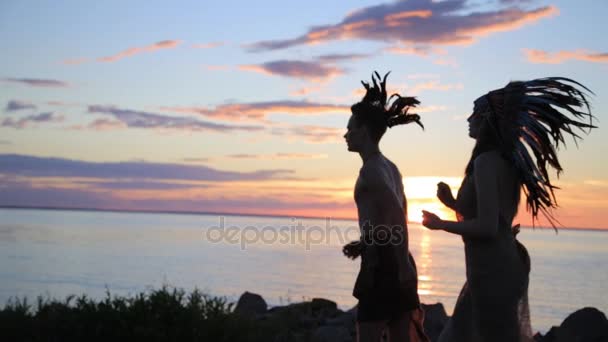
(421, 193)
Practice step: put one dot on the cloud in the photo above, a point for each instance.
(26, 121)
(140, 119)
(540, 56)
(258, 111)
(433, 85)
(5, 142)
(105, 125)
(15, 105)
(450, 62)
(338, 57)
(217, 67)
(422, 51)
(165, 44)
(296, 69)
(37, 82)
(306, 90)
(207, 45)
(196, 160)
(435, 23)
(277, 156)
(28, 195)
(75, 61)
(310, 133)
(31, 166)
(134, 184)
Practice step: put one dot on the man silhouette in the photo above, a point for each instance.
(386, 285)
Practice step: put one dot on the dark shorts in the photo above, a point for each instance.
(386, 305)
(387, 301)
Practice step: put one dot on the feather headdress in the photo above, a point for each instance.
(533, 117)
(397, 112)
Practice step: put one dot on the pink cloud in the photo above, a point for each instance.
(165, 44)
(310, 133)
(258, 111)
(544, 57)
(207, 45)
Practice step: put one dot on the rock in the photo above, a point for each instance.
(345, 319)
(323, 307)
(251, 303)
(435, 319)
(585, 325)
(329, 333)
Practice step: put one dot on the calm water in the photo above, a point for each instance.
(71, 252)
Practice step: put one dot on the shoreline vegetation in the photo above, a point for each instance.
(176, 212)
(172, 314)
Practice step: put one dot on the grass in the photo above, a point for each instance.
(165, 314)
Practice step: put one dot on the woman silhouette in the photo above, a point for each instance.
(507, 124)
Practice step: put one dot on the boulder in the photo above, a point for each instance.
(323, 308)
(251, 303)
(585, 325)
(331, 333)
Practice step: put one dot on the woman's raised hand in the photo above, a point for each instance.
(444, 194)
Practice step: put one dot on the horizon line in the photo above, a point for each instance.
(185, 212)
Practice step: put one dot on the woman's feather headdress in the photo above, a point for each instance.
(533, 117)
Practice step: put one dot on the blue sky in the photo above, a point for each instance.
(197, 84)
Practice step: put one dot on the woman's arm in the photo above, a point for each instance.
(486, 185)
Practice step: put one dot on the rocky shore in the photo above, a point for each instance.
(320, 320)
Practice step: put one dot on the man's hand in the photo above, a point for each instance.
(352, 249)
(444, 194)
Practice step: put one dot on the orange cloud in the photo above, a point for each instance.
(505, 20)
(165, 44)
(435, 22)
(540, 56)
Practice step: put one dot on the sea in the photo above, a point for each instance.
(56, 253)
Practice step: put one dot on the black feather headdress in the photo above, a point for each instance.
(397, 112)
(533, 117)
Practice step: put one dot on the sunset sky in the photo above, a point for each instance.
(240, 106)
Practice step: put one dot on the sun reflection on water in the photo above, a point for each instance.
(424, 264)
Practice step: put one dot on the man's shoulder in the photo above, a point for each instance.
(372, 173)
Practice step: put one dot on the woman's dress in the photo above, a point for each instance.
(492, 305)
